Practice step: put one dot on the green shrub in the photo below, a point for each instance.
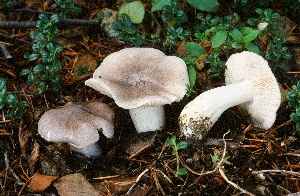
(10, 103)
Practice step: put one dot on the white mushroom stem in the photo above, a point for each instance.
(92, 150)
(200, 115)
(148, 118)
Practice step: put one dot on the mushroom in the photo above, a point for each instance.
(249, 83)
(142, 80)
(78, 125)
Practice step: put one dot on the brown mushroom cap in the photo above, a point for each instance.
(77, 124)
(135, 77)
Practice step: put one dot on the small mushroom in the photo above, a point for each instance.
(142, 80)
(78, 125)
(249, 82)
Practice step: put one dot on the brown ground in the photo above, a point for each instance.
(148, 168)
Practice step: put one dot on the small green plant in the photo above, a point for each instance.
(293, 98)
(81, 70)
(126, 31)
(194, 59)
(171, 142)
(68, 8)
(174, 18)
(277, 52)
(45, 51)
(174, 35)
(215, 159)
(173, 15)
(14, 107)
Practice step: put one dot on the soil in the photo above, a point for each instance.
(262, 162)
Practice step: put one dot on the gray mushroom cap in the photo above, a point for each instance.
(77, 124)
(136, 77)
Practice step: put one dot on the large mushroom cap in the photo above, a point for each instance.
(250, 66)
(135, 77)
(77, 124)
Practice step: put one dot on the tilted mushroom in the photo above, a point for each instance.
(78, 125)
(142, 80)
(249, 82)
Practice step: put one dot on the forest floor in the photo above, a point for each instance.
(251, 160)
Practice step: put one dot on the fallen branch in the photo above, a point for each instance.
(277, 171)
(29, 25)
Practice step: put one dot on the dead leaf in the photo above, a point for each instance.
(40, 182)
(116, 186)
(33, 157)
(75, 185)
(24, 136)
(181, 50)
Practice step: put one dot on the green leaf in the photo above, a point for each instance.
(174, 153)
(24, 72)
(214, 158)
(2, 86)
(43, 17)
(219, 38)
(192, 75)
(251, 36)
(182, 145)
(194, 48)
(22, 104)
(205, 5)
(11, 112)
(246, 30)
(2, 102)
(171, 141)
(158, 4)
(38, 68)
(236, 35)
(135, 10)
(11, 99)
(54, 18)
(126, 20)
(30, 79)
(31, 57)
(182, 171)
(237, 45)
(295, 117)
(41, 87)
(113, 33)
(189, 59)
(130, 30)
(259, 11)
(252, 47)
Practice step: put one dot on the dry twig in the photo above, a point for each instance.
(277, 171)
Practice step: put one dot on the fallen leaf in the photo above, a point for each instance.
(40, 182)
(116, 186)
(181, 50)
(33, 157)
(75, 185)
(24, 136)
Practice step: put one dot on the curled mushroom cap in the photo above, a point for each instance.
(249, 82)
(142, 79)
(78, 125)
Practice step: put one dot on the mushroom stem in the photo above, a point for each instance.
(148, 118)
(200, 114)
(93, 150)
